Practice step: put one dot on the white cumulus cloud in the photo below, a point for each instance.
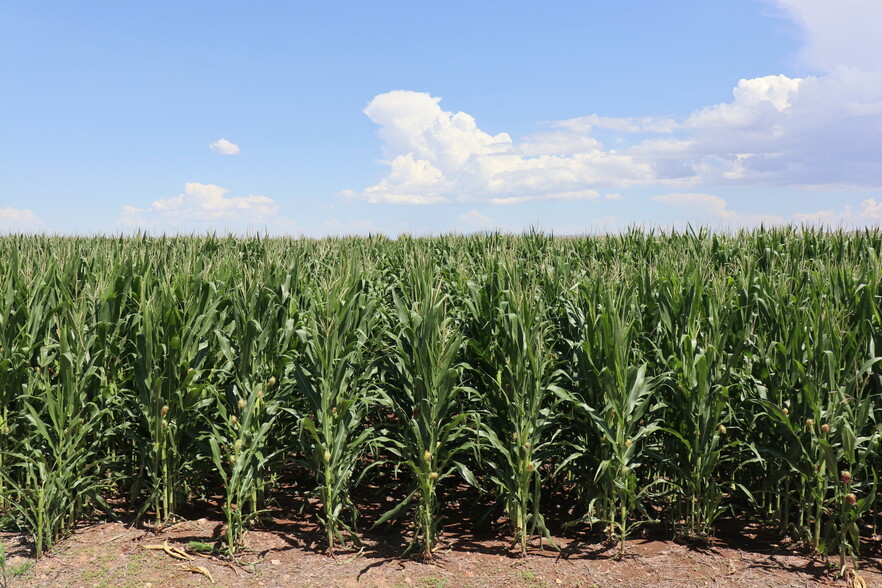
(224, 147)
(439, 156)
(19, 220)
(755, 105)
(817, 132)
(812, 132)
(820, 131)
(202, 206)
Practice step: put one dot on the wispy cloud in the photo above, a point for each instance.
(20, 220)
(838, 34)
(645, 124)
(707, 207)
(224, 147)
(202, 206)
(868, 213)
(711, 209)
(335, 226)
(473, 219)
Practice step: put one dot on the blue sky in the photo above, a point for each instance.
(394, 117)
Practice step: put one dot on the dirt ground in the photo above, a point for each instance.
(287, 554)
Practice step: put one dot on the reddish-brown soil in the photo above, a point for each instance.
(288, 550)
(289, 554)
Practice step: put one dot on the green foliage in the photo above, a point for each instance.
(335, 373)
(432, 431)
(514, 343)
(668, 377)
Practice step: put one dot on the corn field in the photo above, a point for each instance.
(644, 378)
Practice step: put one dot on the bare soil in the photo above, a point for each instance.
(288, 549)
(289, 553)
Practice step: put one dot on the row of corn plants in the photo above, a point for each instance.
(665, 378)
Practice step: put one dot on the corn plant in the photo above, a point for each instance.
(55, 470)
(171, 349)
(844, 451)
(258, 349)
(700, 405)
(615, 398)
(244, 417)
(334, 372)
(696, 338)
(521, 398)
(240, 443)
(431, 429)
(24, 317)
(821, 403)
